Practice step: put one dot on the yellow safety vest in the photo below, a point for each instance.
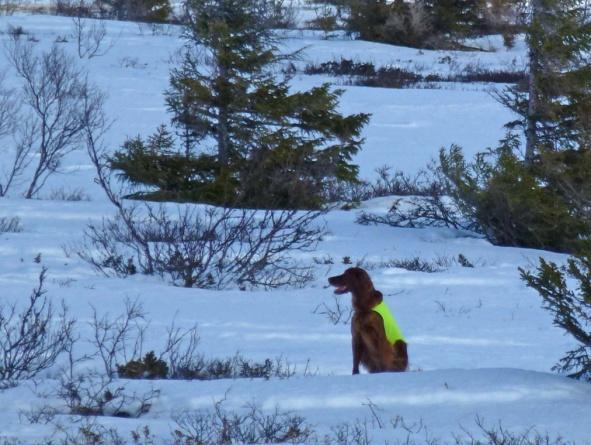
(393, 332)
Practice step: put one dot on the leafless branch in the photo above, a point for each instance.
(58, 98)
(435, 210)
(120, 339)
(338, 313)
(180, 350)
(33, 338)
(90, 35)
(205, 247)
(9, 7)
(15, 156)
(252, 426)
(92, 394)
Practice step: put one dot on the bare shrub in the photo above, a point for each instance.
(57, 97)
(92, 432)
(119, 339)
(180, 350)
(16, 32)
(90, 37)
(326, 19)
(236, 367)
(389, 182)
(180, 359)
(415, 264)
(338, 313)
(63, 194)
(119, 343)
(360, 432)
(39, 415)
(33, 338)
(9, 7)
(92, 394)
(178, 356)
(198, 246)
(219, 426)
(436, 210)
(350, 433)
(14, 159)
(499, 435)
(10, 224)
(206, 248)
(284, 14)
(411, 25)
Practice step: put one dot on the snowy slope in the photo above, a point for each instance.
(480, 345)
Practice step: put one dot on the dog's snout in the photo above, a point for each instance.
(333, 280)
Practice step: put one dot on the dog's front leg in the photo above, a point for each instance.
(356, 346)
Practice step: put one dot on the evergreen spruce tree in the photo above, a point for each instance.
(170, 174)
(426, 23)
(556, 113)
(258, 143)
(570, 307)
(368, 18)
(455, 17)
(153, 11)
(555, 108)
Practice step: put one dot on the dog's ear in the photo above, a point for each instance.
(361, 283)
(357, 273)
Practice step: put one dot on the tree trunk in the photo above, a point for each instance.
(223, 142)
(223, 133)
(533, 79)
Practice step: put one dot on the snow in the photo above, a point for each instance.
(480, 345)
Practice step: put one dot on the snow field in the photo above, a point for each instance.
(479, 343)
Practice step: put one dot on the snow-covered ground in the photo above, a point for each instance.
(479, 343)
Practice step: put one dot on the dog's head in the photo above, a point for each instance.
(354, 280)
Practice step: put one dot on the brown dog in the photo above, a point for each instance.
(376, 339)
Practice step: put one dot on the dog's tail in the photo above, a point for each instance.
(400, 356)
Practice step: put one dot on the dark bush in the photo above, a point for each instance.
(234, 368)
(472, 74)
(152, 11)
(464, 262)
(508, 202)
(10, 224)
(342, 67)
(366, 74)
(414, 264)
(496, 195)
(150, 367)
